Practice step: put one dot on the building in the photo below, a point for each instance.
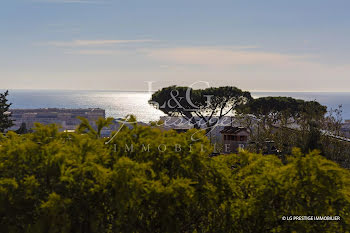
(345, 129)
(234, 138)
(66, 118)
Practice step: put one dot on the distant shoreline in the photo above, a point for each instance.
(118, 104)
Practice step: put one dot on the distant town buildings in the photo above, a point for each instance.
(228, 133)
(66, 118)
(345, 129)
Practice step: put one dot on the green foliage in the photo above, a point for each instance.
(287, 107)
(5, 116)
(55, 181)
(287, 121)
(306, 186)
(22, 129)
(200, 105)
(101, 123)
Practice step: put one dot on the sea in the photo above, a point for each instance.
(119, 104)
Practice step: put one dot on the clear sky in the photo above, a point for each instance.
(273, 45)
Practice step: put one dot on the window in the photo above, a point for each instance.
(235, 138)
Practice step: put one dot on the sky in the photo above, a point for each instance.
(272, 45)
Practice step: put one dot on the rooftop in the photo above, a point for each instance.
(232, 130)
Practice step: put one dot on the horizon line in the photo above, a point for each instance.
(275, 91)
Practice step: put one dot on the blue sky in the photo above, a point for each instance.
(120, 45)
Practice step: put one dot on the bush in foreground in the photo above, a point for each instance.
(59, 182)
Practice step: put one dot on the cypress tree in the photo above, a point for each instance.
(5, 116)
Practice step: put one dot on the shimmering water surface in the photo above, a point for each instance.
(119, 104)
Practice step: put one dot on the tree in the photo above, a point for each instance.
(202, 107)
(311, 118)
(272, 110)
(22, 129)
(333, 147)
(285, 120)
(334, 121)
(85, 127)
(5, 115)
